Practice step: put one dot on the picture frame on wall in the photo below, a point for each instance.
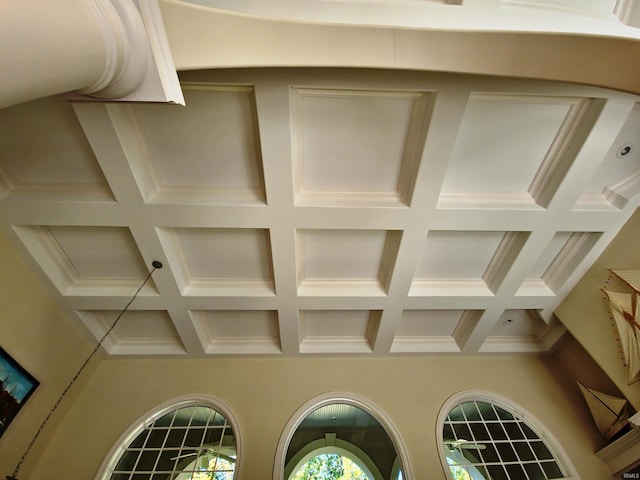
(16, 386)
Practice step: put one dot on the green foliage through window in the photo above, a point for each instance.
(457, 472)
(330, 466)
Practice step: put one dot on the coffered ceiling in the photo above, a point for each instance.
(322, 211)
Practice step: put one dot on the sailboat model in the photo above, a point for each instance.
(610, 413)
(625, 309)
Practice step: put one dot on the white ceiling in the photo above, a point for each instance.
(322, 211)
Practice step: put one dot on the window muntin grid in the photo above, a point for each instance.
(193, 442)
(509, 449)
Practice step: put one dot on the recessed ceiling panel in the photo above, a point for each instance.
(353, 146)
(518, 323)
(428, 323)
(345, 259)
(427, 331)
(241, 331)
(87, 259)
(136, 332)
(519, 330)
(231, 258)
(44, 152)
(208, 149)
(550, 253)
(332, 331)
(461, 255)
(503, 144)
(534, 282)
(559, 260)
(118, 257)
(618, 177)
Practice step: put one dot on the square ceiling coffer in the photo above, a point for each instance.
(220, 261)
(345, 262)
(338, 331)
(357, 147)
(237, 331)
(513, 149)
(205, 153)
(139, 332)
(88, 260)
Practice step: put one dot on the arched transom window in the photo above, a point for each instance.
(340, 436)
(483, 439)
(192, 441)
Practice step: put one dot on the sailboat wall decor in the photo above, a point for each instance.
(625, 310)
(609, 413)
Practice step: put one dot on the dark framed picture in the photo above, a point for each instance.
(16, 386)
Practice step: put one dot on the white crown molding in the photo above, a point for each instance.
(624, 10)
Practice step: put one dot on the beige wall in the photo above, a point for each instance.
(264, 393)
(585, 314)
(37, 334)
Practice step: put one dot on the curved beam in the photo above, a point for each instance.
(203, 38)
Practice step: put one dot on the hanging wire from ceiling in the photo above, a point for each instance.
(14, 476)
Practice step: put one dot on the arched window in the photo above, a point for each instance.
(188, 439)
(483, 438)
(348, 430)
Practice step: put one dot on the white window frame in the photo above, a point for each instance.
(348, 399)
(119, 447)
(539, 429)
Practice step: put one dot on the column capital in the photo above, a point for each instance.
(89, 50)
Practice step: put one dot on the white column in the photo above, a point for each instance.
(47, 47)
